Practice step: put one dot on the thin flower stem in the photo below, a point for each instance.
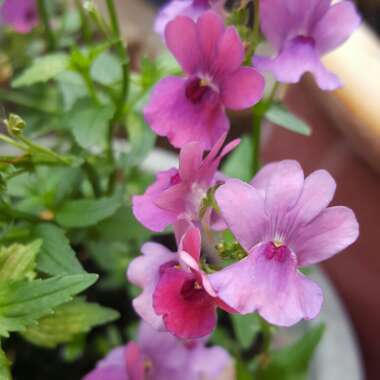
(93, 178)
(257, 118)
(86, 30)
(256, 25)
(49, 34)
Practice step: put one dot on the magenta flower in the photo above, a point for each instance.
(178, 193)
(160, 356)
(21, 15)
(301, 32)
(176, 292)
(193, 108)
(282, 221)
(190, 8)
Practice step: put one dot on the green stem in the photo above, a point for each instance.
(256, 25)
(114, 21)
(84, 22)
(93, 178)
(257, 118)
(49, 34)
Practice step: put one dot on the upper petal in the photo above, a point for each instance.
(242, 88)
(332, 231)
(242, 207)
(190, 160)
(182, 40)
(336, 26)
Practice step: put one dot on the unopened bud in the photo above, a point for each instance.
(15, 124)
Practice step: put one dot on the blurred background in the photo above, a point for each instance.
(345, 141)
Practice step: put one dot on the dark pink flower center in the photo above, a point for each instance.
(175, 179)
(276, 252)
(191, 291)
(305, 40)
(196, 90)
(30, 15)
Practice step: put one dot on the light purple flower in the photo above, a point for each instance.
(160, 356)
(177, 295)
(282, 221)
(301, 31)
(177, 193)
(190, 8)
(21, 15)
(193, 108)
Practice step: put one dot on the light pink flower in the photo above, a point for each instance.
(178, 193)
(176, 292)
(160, 356)
(282, 221)
(190, 8)
(21, 15)
(302, 31)
(193, 108)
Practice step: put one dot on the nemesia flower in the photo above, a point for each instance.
(160, 356)
(190, 8)
(176, 292)
(282, 221)
(21, 15)
(193, 108)
(178, 193)
(302, 31)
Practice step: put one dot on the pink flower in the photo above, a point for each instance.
(176, 292)
(193, 108)
(282, 221)
(160, 356)
(21, 15)
(178, 193)
(301, 32)
(190, 8)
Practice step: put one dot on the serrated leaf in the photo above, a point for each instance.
(86, 212)
(17, 261)
(56, 256)
(278, 114)
(106, 69)
(238, 163)
(22, 302)
(89, 123)
(140, 137)
(68, 320)
(292, 362)
(246, 328)
(42, 69)
(5, 373)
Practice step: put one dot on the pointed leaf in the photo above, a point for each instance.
(56, 256)
(246, 328)
(22, 303)
(68, 320)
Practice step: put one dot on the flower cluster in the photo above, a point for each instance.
(21, 15)
(280, 220)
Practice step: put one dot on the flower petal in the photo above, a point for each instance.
(242, 89)
(273, 288)
(187, 315)
(190, 160)
(242, 207)
(169, 113)
(145, 208)
(332, 231)
(182, 40)
(191, 243)
(336, 26)
(299, 57)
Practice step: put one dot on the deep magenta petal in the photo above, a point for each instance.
(21, 15)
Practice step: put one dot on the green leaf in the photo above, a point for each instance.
(17, 261)
(72, 87)
(281, 116)
(86, 212)
(292, 362)
(141, 138)
(106, 69)
(22, 303)
(246, 328)
(5, 373)
(89, 123)
(56, 256)
(238, 163)
(42, 69)
(68, 320)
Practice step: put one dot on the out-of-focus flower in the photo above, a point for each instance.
(301, 32)
(176, 293)
(21, 15)
(190, 8)
(178, 193)
(193, 108)
(283, 223)
(160, 356)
